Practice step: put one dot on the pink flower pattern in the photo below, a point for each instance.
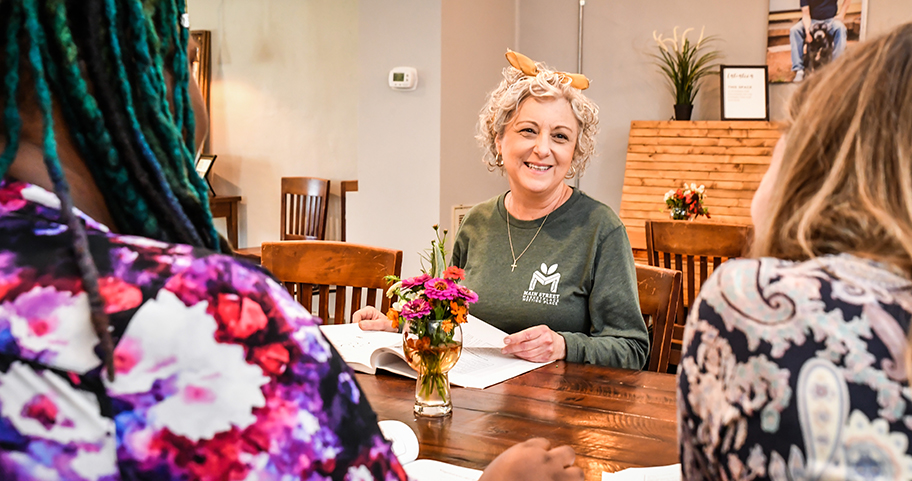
(283, 407)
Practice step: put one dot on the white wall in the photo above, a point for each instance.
(625, 83)
(300, 88)
(475, 36)
(398, 133)
(283, 100)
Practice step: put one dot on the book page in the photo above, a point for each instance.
(480, 365)
(430, 470)
(656, 473)
(357, 346)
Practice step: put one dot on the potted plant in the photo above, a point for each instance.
(684, 65)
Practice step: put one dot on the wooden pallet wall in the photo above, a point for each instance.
(728, 157)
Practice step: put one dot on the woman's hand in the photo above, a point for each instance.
(534, 459)
(536, 344)
(370, 318)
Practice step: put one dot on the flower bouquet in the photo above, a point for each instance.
(686, 202)
(429, 309)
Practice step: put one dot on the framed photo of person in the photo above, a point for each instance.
(745, 92)
(801, 40)
(203, 166)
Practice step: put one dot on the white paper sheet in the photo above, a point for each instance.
(656, 473)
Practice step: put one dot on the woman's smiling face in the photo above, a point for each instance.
(537, 145)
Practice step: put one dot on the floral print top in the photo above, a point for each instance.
(796, 370)
(220, 374)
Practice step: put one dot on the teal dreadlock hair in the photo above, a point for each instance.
(104, 62)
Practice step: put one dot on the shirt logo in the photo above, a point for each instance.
(544, 277)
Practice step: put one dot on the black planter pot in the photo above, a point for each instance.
(683, 111)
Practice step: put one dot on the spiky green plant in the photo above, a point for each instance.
(685, 64)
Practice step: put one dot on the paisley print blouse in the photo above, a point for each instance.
(219, 373)
(796, 370)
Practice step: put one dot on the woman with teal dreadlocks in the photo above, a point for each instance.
(128, 348)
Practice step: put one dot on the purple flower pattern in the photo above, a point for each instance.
(220, 374)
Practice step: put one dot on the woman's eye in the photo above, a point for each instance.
(527, 130)
(561, 137)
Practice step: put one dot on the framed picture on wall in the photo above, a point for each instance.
(802, 40)
(745, 92)
(203, 166)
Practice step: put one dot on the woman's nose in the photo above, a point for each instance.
(543, 145)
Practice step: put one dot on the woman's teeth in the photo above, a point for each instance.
(539, 168)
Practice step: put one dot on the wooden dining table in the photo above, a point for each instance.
(613, 418)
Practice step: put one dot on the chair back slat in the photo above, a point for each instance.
(659, 292)
(334, 267)
(304, 208)
(346, 187)
(691, 245)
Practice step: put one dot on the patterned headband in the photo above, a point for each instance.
(527, 66)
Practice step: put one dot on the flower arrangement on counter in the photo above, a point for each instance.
(686, 202)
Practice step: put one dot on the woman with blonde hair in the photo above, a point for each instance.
(552, 266)
(794, 362)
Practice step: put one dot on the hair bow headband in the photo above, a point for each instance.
(527, 66)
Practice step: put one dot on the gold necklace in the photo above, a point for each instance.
(510, 236)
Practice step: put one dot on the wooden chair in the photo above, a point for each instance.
(308, 268)
(659, 291)
(305, 201)
(692, 245)
(347, 186)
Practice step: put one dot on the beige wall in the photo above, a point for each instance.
(283, 100)
(627, 86)
(398, 132)
(299, 88)
(475, 36)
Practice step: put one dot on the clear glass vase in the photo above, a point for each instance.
(432, 349)
(680, 213)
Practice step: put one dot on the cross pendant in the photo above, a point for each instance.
(513, 266)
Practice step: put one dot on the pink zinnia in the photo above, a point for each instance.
(415, 309)
(415, 281)
(442, 289)
(467, 294)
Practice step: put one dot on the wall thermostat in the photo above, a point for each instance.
(403, 78)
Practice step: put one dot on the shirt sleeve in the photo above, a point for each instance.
(618, 337)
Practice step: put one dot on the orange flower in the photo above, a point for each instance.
(454, 273)
(393, 316)
(458, 311)
(420, 344)
(447, 326)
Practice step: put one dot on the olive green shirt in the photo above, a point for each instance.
(577, 277)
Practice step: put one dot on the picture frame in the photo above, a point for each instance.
(745, 92)
(204, 166)
(200, 55)
(786, 56)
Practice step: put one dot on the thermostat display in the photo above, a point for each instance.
(403, 78)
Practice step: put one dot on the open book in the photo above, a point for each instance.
(405, 447)
(480, 365)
